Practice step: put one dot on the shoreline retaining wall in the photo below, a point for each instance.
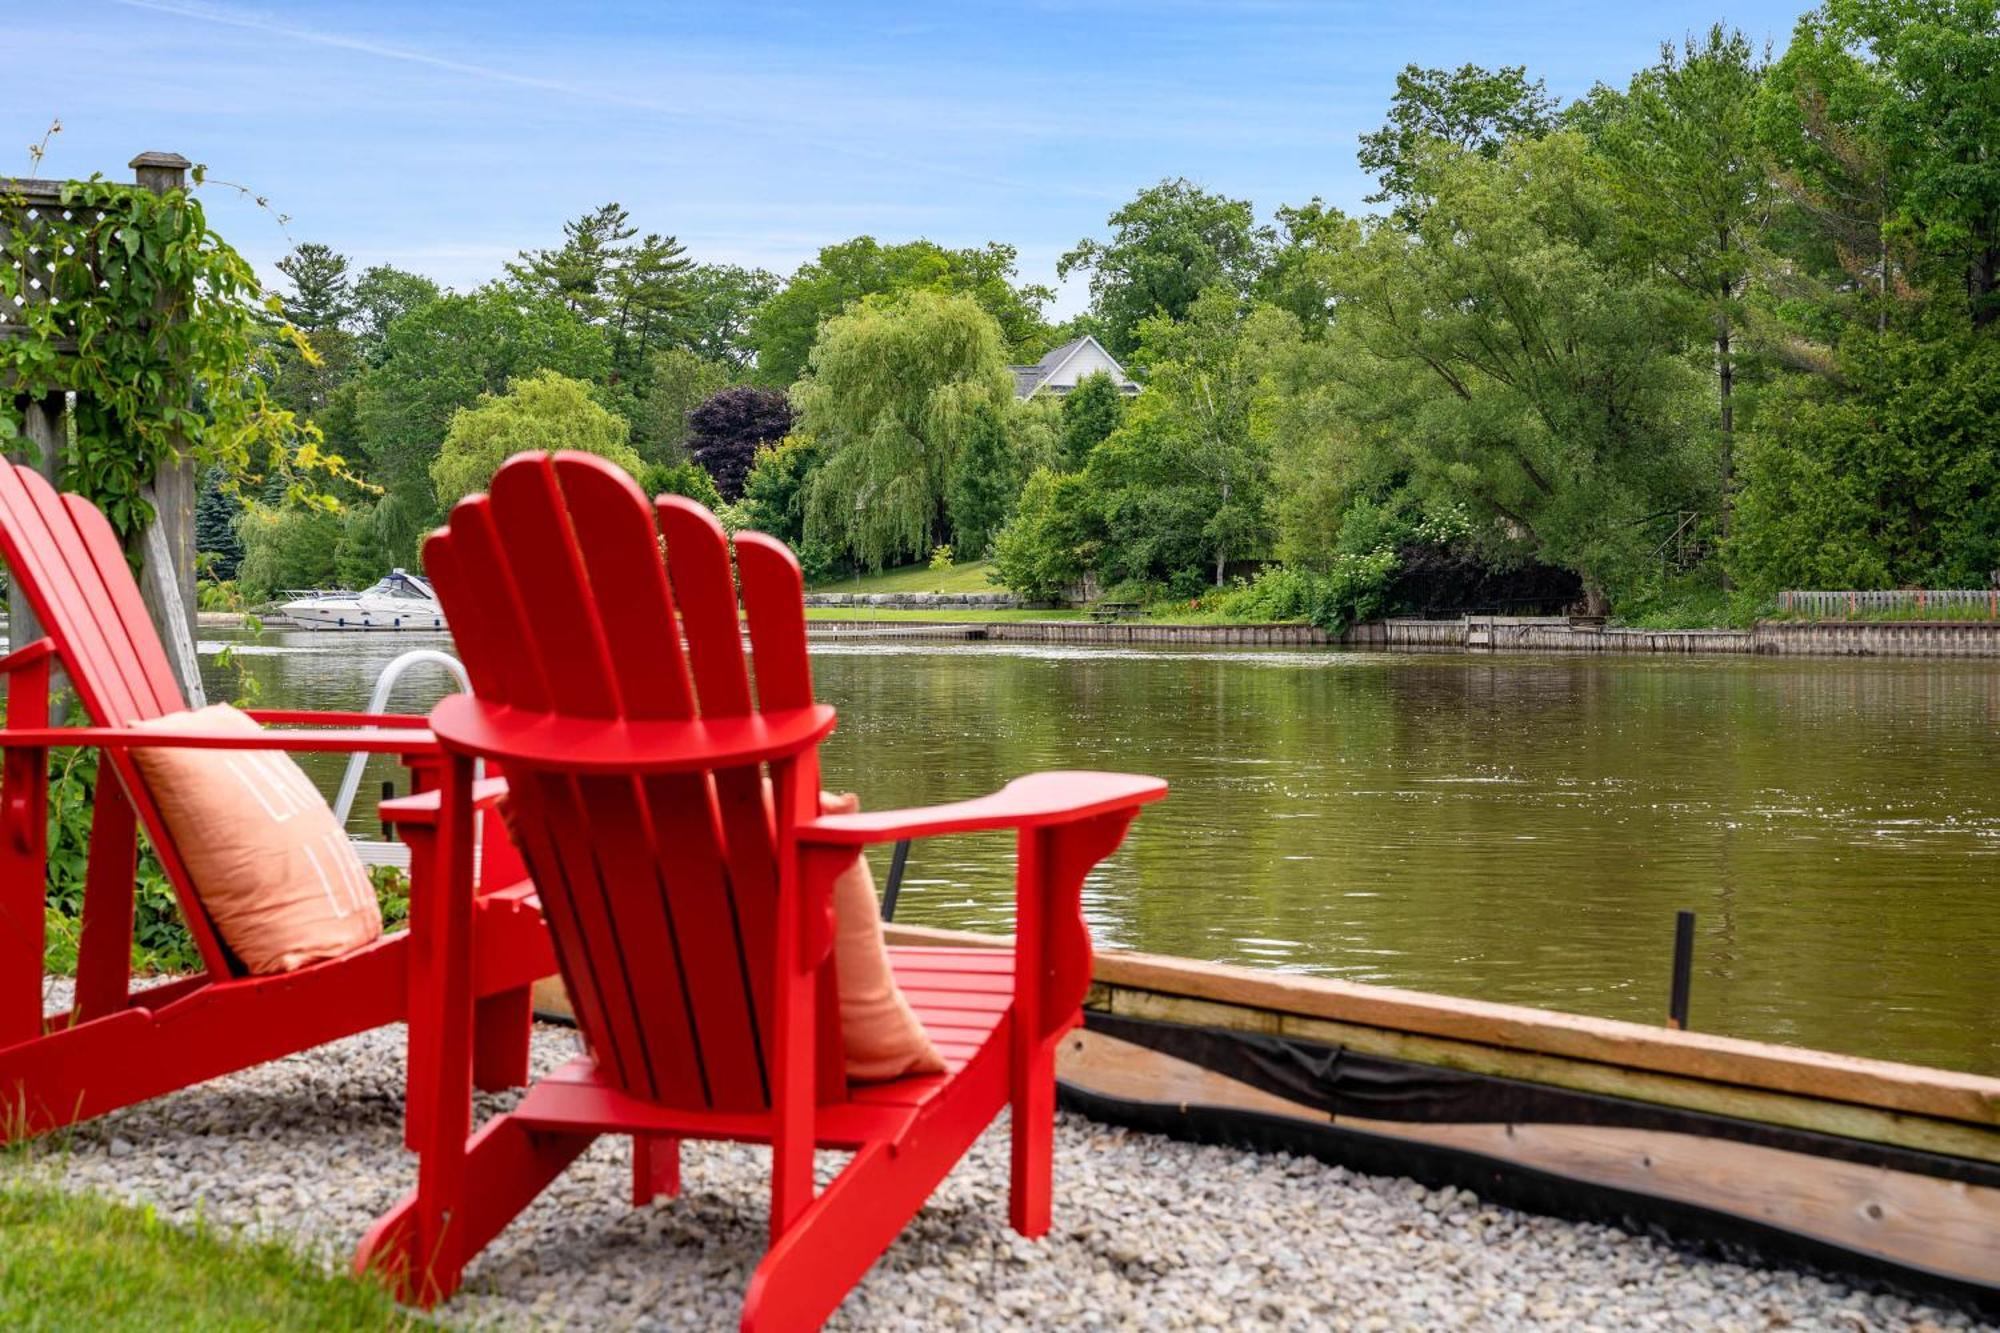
(1542, 634)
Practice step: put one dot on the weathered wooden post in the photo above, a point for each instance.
(166, 546)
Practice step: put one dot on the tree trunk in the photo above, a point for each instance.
(1725, 380)
(1221, 549)
(1985, 266)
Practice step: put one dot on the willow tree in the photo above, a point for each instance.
(545, 411)
(892, 391)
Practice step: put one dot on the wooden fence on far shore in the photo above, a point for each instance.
(1943, 603)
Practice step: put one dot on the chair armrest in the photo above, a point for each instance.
(27, 655)
(1035, 801)
(421, 809)
(126, 738)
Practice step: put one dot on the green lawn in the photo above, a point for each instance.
(968, 577)
(75, 1262)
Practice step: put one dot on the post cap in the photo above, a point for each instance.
(172, 161)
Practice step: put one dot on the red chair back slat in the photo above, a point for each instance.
(69, 594)
(698, 560)
(774, 604)
(660, 891)
(72, 568)
(140, 647)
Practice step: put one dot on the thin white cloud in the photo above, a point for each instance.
(236, 18)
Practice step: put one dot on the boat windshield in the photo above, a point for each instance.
(399, 585)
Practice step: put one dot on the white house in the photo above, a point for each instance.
(1062, 368)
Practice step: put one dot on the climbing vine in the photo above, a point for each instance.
(166, 337)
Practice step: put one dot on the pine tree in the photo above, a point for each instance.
(322, 293)
(648, 287)
(579, 273)
(215, 513)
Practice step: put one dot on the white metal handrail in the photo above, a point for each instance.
(350, 782)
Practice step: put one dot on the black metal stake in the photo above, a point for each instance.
(896, 863)
(1677, 1002)
(388, 794)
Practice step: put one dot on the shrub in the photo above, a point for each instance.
(689, 479)
(1351, 589)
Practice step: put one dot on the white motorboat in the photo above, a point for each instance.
(401, 601)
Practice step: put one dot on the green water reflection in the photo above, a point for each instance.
(1510, 828)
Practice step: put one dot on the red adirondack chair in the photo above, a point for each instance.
(694, 926)
(116, 1046)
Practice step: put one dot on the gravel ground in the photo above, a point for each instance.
(1149, 1233)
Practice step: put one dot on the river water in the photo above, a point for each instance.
(1504, 827)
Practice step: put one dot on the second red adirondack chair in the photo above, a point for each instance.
(694, 928)
(115, 1045)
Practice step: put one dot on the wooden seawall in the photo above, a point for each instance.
(1886, 1171)
(1535, 634)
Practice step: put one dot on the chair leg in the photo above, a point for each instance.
(501, 1027)
(833, 1242)
(504, 1167)
(1033, 1141)
(656, 1168)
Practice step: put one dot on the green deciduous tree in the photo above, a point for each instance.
(1691, 189)
(1055, 538)
(677, 381)
(1888, 476)
(1503, 350)
(382, 295)
(1938, 64)
(684, 477)
(891, 392)
(1471, 109)
(286, 546)
(1172, 242)
(1194, 431)
(784, 327)
(985, 479)
(441, 356)
(719, 301)
(544, 411)
(1295, 277)
(774, 493)
(1090, 412)
(360, 556)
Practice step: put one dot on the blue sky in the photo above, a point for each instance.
(445, 137)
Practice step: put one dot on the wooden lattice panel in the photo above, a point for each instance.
(28, 251)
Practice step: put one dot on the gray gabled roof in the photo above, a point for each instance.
(1027, 379)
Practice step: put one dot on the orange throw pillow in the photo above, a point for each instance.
(274, 871)
(883, 1035)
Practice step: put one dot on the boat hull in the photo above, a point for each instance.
(345, 619)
